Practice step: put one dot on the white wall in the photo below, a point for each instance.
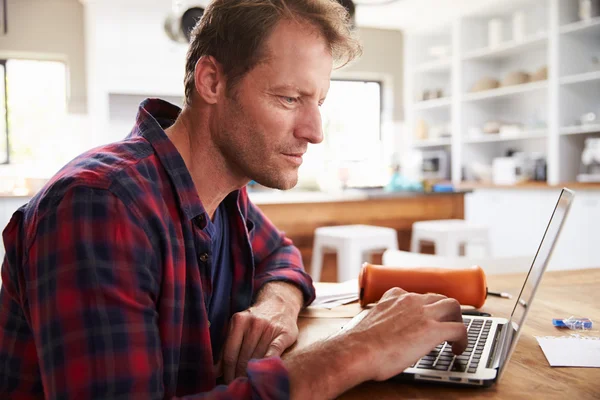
(53, 30)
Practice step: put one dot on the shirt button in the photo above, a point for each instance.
(200, 221)
(204, 257)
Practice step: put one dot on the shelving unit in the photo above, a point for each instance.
(506, 91)
(508, 49)
(562, 51)
(580, 78)
(434, 103)
(441, 142)
(580, 129)
(526, 135)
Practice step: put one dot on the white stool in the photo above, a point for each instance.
(448, 235)
(351, 242)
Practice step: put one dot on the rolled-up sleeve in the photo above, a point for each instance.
(275, 256)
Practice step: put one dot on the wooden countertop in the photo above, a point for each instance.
(528, 374)
(529, 186)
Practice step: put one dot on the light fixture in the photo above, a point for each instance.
(182, 19)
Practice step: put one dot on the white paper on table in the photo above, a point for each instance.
(571, 351)
(333, 295)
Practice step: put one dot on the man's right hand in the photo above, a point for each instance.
(399, 330)
(403, 327)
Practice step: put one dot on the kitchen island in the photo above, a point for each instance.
(298, 214)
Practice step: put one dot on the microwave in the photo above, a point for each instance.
(435, 165)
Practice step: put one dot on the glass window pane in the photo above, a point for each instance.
(351, 154)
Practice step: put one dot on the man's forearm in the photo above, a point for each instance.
(285, 293)
(329, 368)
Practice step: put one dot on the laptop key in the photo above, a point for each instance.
(441, 367)
(472, 370)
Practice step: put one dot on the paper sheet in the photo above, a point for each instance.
(330, 295)
(571, 351)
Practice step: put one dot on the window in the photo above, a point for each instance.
(351, 154)
(33, 110)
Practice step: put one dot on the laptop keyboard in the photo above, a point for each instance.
(442, 359)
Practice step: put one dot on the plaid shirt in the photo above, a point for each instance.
(107, 274)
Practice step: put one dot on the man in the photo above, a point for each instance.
(143, 271)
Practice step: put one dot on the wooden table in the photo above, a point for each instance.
(528, 374)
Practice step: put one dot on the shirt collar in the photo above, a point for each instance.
(154, 116)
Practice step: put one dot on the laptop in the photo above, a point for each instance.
(491, 340)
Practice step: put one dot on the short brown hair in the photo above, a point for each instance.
(233, 32)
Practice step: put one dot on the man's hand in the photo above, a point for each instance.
(403, 327)
(266, 329)
(399, 330)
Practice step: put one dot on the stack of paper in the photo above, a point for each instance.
(330, 295)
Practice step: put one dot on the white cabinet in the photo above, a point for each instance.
(517, 219)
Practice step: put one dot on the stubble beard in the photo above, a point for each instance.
(243, 156)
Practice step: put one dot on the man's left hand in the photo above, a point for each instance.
(266, 329)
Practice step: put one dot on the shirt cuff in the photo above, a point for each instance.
(269, 378)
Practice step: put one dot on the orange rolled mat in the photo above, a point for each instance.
(467, 285)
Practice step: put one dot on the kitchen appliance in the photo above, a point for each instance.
(435, 165)
(589, 170)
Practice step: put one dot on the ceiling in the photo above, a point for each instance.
(422, 15)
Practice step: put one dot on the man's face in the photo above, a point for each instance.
(265, 125)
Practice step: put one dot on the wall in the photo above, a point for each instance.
(49, 29)
(382, 55)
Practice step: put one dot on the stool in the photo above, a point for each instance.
(448, 235)
(351, 242)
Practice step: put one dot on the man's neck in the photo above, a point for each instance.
(212, 178)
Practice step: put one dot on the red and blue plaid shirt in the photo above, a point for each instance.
(106, 277)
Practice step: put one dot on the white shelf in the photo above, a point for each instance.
(506, 91)
(580, 78)
(434, 66)
(433, 103)
(580, 129)
(432, 143)
(508, 49)
(525, 135)
(591, 27)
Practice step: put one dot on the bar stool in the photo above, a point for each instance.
(352, 243)
(448, 235)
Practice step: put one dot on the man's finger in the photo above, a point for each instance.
(252, 337)
(276, 348)
(445, 310)
(456, 333)
(233, 343)
(393, 292)
(263, 345)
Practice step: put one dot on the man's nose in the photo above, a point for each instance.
(309, 126)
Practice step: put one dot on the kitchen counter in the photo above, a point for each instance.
(530, 186)
(298, 196)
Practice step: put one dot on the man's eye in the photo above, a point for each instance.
(289, 100)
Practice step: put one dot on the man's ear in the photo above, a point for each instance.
(209, 79)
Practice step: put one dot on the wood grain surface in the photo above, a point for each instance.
(528, 374)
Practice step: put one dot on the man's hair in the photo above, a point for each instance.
(234, 33)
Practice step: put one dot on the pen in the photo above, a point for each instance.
(504, 295)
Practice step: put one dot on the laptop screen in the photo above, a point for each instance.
(540, 262)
